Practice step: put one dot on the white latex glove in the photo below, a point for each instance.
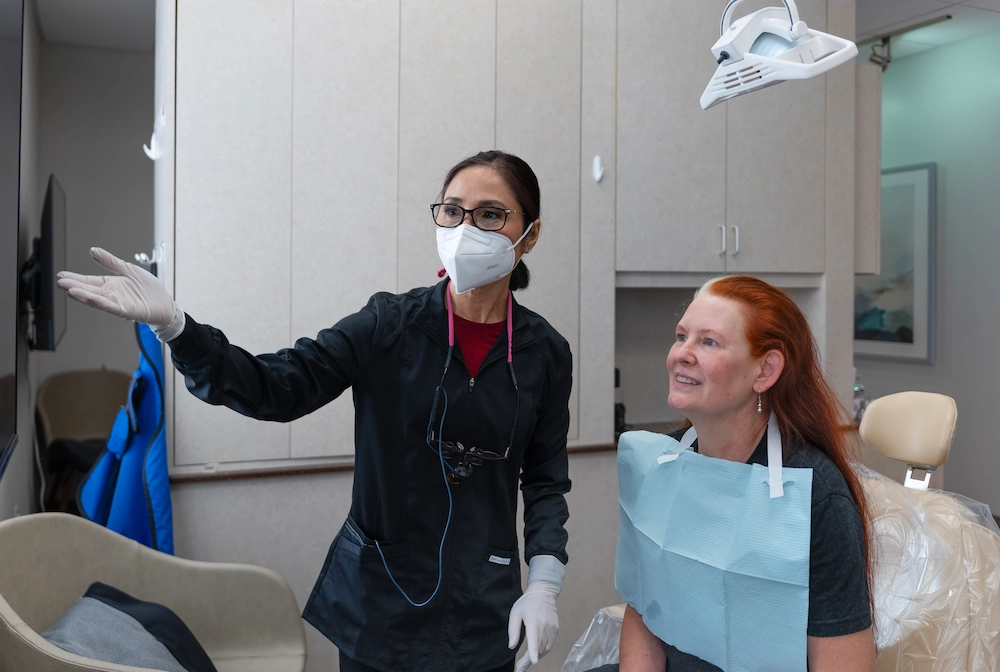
(536, 609)
(132, 293)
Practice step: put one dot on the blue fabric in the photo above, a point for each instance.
(128, 490)
(717, 567)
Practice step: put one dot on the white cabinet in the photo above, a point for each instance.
(776, 170)
(310, 139)
(447, 111)
(344, 145)
(671, 201)
(868, 167)
(738, 187)
(538, 119)
(233, 195)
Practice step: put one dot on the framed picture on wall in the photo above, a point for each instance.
(894, 311)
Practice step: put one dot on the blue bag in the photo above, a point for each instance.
(128, 489)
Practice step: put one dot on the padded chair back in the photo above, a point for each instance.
(49, 560)
(913, 427)
(245, 617)
(79, 404)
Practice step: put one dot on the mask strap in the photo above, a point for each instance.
(518, 241)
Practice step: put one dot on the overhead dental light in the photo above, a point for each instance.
(768, 47)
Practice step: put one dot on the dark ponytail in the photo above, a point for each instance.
(519, 277)
(522, 181)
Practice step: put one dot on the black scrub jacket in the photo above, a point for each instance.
(392, 354)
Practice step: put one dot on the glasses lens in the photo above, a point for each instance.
(489, 219)
(446, 214)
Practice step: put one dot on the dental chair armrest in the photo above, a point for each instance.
(232, 609)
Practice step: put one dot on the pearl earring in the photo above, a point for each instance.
(759, 408)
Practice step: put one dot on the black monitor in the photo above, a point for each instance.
(48, 257)
(11, 12)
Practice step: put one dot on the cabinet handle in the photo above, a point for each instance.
(736, 231)
(722, 229)
(598, 169)
(153, 150)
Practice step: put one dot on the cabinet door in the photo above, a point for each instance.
(776, 169)
(671, 185)
(596, 355)
(538, 118)
(344, 205)
(447, 111)
(233, 203)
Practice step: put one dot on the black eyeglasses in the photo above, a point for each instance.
(467, 456)
(449, 215)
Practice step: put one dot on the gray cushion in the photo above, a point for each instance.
(111, 626)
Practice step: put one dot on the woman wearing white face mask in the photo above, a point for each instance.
(460, 393)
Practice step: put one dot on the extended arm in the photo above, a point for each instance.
(280, 387)
(640, 650)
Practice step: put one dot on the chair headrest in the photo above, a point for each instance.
(912, 427)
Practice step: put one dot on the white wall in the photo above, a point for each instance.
(941, 106)
(17, 489)
(96, 111)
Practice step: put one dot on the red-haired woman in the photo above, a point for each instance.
(747, 546)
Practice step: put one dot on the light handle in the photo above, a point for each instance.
(793, 14)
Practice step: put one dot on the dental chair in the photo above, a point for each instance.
(935, 555)
(245, 617)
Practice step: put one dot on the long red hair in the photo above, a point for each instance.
(807, 409)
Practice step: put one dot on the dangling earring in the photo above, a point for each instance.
(759, 408)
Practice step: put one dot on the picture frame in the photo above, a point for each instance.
(895, 310)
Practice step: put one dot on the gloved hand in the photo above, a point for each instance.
(536, 609)
(133, 293)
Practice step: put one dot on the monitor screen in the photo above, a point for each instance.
(10, 147)
(50, 313)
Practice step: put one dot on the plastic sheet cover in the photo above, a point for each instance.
(936, 563)
(599, 644)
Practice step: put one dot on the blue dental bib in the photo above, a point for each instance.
(715, 554)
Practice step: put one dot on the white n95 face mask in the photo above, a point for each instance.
(475, 258)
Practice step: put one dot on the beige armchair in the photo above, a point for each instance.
(79, 406)
(245, 617)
